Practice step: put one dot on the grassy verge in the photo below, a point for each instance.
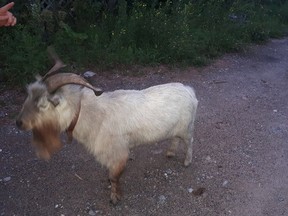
(170, 33)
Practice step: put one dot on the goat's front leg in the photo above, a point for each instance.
(114, 175)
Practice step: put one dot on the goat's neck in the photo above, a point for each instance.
(90, 118)
(68, 110)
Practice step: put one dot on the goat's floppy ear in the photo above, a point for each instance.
(54, 99)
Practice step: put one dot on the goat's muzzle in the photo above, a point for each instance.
(22, 124)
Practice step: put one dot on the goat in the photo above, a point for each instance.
(108, 124)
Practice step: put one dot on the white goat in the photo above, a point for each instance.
(108, 124)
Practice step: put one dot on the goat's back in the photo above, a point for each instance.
(148, 115)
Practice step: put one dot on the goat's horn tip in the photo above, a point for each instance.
(98, 92)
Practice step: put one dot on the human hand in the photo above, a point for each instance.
(6, 17)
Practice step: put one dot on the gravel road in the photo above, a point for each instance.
(240, 158)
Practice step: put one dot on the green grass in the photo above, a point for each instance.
(169, 33)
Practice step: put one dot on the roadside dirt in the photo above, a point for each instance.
(240, 163)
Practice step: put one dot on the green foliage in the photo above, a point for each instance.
(22, 55)
(87, 13)
(137, 32)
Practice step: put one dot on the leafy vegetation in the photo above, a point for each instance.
(135, 32)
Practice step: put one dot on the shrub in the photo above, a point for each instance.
(136, 32)
(22, 55)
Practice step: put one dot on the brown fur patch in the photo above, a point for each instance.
(46, 139)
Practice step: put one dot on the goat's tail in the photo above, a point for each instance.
(191, 92)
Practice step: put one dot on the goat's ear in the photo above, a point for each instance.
(54, 99)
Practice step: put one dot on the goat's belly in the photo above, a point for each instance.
(149, 138)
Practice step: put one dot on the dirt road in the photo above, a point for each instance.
(240, 150)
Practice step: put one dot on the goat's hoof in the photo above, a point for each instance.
(115, 198)
(187, 163)
(170, 154)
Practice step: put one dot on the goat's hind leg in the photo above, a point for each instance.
(189, 151)
(173, 148)
(188, 140)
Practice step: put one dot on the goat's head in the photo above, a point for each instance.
(39, 112)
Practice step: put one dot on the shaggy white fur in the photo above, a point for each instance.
(112, 123)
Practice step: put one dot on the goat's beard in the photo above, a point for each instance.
(46, 139)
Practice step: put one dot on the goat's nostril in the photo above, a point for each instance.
(19, 123)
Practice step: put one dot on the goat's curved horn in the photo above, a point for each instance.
(58, 80)
(58, 63)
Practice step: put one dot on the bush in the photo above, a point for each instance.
(136, 32)
(22, 55)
